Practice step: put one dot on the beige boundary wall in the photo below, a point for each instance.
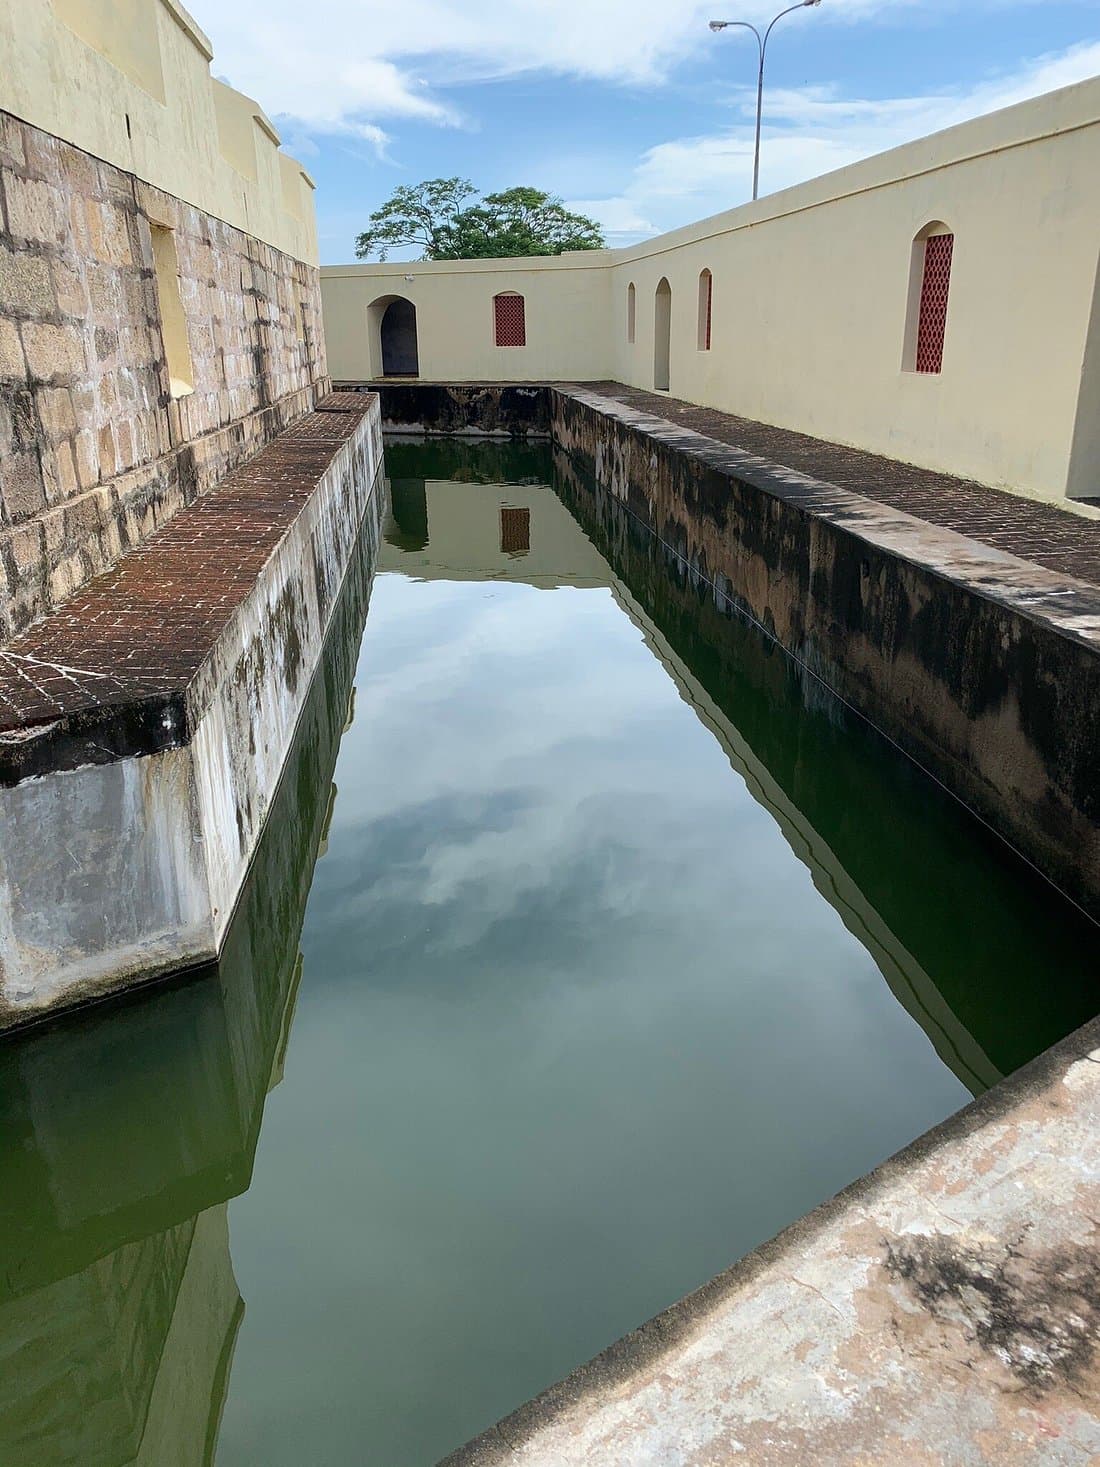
(568, 311)
(160, 313)
(811, 298)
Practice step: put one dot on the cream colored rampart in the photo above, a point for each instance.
(129, 82)
(811, 292)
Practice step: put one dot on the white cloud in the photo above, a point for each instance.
(349, 66)
(319, 75)
(806, 133)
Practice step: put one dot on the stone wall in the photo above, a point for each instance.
(465, 410)
(140, 790)
(95, 450)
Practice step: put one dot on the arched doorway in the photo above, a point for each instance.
(407, 525)
(400, 357)
(662, 335)
(391, 324)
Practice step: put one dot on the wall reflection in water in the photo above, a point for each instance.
(988, 959)
(125, 1131)
(992, 963)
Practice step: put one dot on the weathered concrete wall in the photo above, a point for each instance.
(811, 304)
(111, 872)
(984, 668)
(464, 409)
(98, 445)
(869, 826)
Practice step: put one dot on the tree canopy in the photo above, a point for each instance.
(443, 218)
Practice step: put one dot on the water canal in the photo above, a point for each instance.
(589, 944)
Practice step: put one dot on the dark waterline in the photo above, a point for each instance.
(627, 945)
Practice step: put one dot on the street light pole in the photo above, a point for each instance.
(762, 45)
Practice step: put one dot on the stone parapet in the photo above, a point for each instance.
(982, 666)
(144, 726)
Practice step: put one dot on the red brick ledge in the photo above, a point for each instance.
(107, 675)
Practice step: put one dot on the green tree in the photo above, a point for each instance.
(435, 217)
(422, 214)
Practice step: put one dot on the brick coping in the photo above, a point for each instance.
(113, 665)
(1043, 533)
(1065, 605)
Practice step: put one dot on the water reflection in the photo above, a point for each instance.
(988, 959)
(573, 1028)
(960, 929)
(502, 522)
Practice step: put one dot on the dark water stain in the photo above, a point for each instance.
(1038, 1313)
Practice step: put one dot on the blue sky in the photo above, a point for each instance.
(632, 110)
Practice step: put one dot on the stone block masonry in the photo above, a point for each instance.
(98, 446)
(144, 725)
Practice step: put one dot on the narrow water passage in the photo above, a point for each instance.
(625, 947)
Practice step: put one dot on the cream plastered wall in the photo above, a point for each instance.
(568, 311)
(810, 294)
(129, 82)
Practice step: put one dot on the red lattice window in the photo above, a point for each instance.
(935, 285)
(515, 530)
(509, 320)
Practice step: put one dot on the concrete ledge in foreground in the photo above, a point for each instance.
(943, 1310)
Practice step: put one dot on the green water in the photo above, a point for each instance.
(626, 945)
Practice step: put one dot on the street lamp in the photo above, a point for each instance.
(762, 42)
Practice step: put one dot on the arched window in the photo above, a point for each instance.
(509, 319)
(929, 289)
(631, 312)
(706, 296)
